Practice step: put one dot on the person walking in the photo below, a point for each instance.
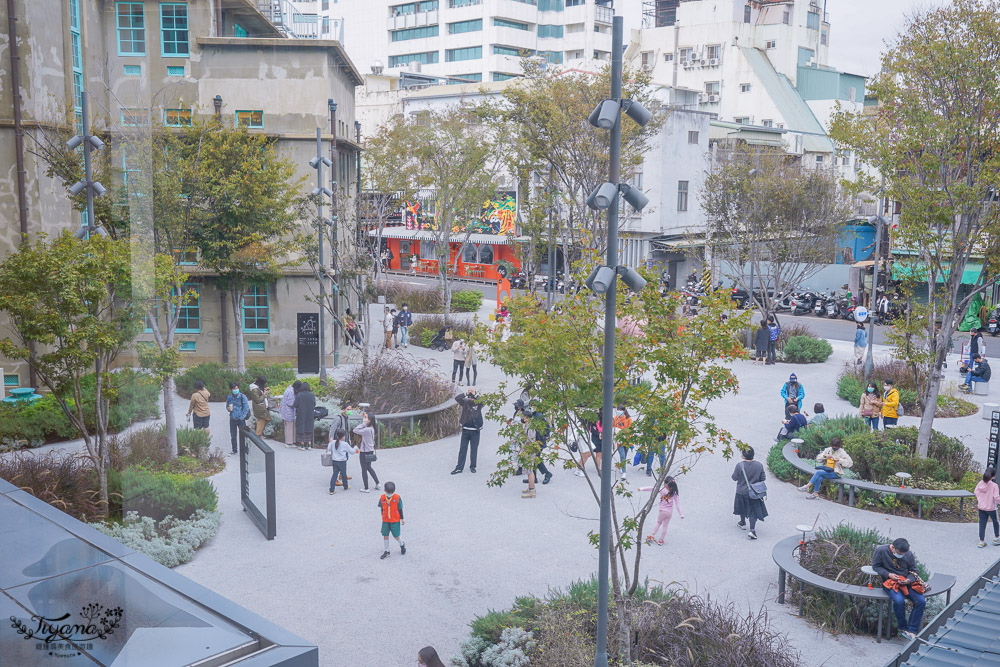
(897, 566)
(340, 451)
(395, 327)
(669, 499)
(239, 409)
(305, 417)
(621, 421)
(831, 463)
(748, 509)
(471, 420)
(458, 366)
(366, 450)
(860, 343)
(258, 399)
(387, 326)
(471, 368)
(287, 412)
(594, 430)
(405, 322)
(428, 657)
(890, 404)
(976, 345)
(870, 405)
(392, 518)
(773, 333)
(761, 343)
(199, 406)
(530, 452)
(987, 498)
(793, 393)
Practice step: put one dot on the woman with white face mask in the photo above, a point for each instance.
(870, 406)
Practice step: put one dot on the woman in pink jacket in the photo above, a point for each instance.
(669, 499)
(987, 497)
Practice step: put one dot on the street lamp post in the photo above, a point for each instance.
(89, 143)
(880, 221)
(604, 280)
(320, 191)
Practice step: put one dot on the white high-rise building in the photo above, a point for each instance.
(473, 40)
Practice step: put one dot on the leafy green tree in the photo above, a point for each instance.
(770, 217)
(667, 372)
(935, 137)
(248, 201)
(69, 304)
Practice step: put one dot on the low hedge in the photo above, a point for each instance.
(806, 350)
(170, 541)
(425, 327)
(217, 377)
(431, 299)
(158, 494)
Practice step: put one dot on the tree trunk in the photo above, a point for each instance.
(624, 623)
(447, 289)
(927, 416)
(241, 358)
(170, 422)
(102, 483)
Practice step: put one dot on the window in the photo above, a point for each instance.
(427, 250)
(684, 54)
(845, 158)
(74, 29)
(131, 29)
(786, 18)
(466, 78)
(742, 120)
(712, 87)
(682, 195)
(11, 380)
(189, 316)
(713, 51)
(463, 3)
(504, 23)
(545, 30)
(174, 29)
(510, 51)
(175, 70)
(812, 20)
(646, 58)
(575, 3)
(463, 26)
(550, 5)
(255, 310)
(555, 57)
(767, 122)
(819, 159)
(129, 70)
(692, 136)
(422, 58)
(255, 346)
(485, 254)
(824, 39)
(135, 117)
(186, 256)
(414, 7)
(131, 164)
(668, 57)
(468, 53)
(177, 117)
(503, 76)
(469, 254)
(254, 119)
(188, 346)
(746, 14)
(744, 87)
(770, 44)
(239, 31)
(415, 33)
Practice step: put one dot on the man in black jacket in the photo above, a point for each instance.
(471, 420)
(895, 562)
(981, 373)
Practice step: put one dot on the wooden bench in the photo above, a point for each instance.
(784, 555)
(791, 455)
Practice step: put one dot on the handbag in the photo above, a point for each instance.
(370, 457)
(758, 490)
(326, 459)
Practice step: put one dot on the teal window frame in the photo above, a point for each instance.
(175, 70)
(187, 346)
(11, 380)
(173, 33)
(256, 346)
(550, 5)
(258, 310)
(499, 50)
(503, 76)
(463, 53)
(547, 30)
(177, 112)
(251, 125)
(415, 33)
(133, 32)
(135, 117)
(463, 3)
(474, 77)
(126, 170)
(507, 23)
(424, 58)
(189, 319)
(413, 7)
(131, 70)
(458, 27)
(552, 57)
(239, 31)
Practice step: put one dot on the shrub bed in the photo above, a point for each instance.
(217, 378)
(430, 299)
(838, 554)
(425, 327)
(170, 541)
(67, 482)
(148, 447)
(806, 350)
(671, 627)
(159, 494)
(851, 384)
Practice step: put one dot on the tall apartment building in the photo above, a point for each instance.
(463, 41)
(169, 62)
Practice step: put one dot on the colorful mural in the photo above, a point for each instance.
(498, 216)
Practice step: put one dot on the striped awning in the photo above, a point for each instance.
(425, 235)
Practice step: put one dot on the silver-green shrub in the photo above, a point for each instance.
(170, 542)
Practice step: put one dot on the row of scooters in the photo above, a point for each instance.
(542, 283)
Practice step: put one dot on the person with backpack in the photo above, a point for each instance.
(793, 393)
(761, 344)
(774, 331)
(339, 450)
(749, 505)
(258, 399)
(238, 407)
(982, 373)
(366, 450)
(471, 419)
(305, 417)
(405, 322)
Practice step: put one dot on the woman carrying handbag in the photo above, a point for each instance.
(367, 450)
(751, 490)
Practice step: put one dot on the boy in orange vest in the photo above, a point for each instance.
(392, 517)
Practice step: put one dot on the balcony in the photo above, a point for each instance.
(603, 14)
(415, 20)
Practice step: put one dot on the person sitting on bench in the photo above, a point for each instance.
(897, 566)
(981, 373)
(832, 462)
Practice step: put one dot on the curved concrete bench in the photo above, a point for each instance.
(788, 564)
(791, 455)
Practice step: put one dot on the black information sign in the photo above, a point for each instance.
(993, 453)
(308, 338)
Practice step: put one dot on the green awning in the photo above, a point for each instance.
(969, 277)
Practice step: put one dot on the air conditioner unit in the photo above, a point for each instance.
(695, 57)
(713, 62)
(713, 98)
(686, 64)
(703, 97)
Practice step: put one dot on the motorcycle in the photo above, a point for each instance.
(691, 297)
(819, 306)
(519, 280)
(785, 302)
(832, 307)
(802, 302)
(992, 325)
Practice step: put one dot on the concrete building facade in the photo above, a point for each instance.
(141, 63)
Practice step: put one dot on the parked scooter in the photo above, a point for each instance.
(519, 280)
(993, 325)
(802, 303)
(819, 306)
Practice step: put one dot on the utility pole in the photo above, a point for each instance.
(335, 250)
(320, 190)
(879, 221)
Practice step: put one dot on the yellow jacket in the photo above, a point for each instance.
(890, 401)
(840, 458)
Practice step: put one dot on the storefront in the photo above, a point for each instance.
(478, 254)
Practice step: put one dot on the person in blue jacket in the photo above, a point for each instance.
(239, 409)
(793, 393)
(405, 322)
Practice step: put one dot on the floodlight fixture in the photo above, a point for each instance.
(99, 189)
(78, 187)
(634, 197)
(74, 142)
(602, 196)
(877, 219)
(632, 278)
(316, 161)
(640, 114)
(95, 142)
(601, 279)
(605, 114)
(324, 190)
